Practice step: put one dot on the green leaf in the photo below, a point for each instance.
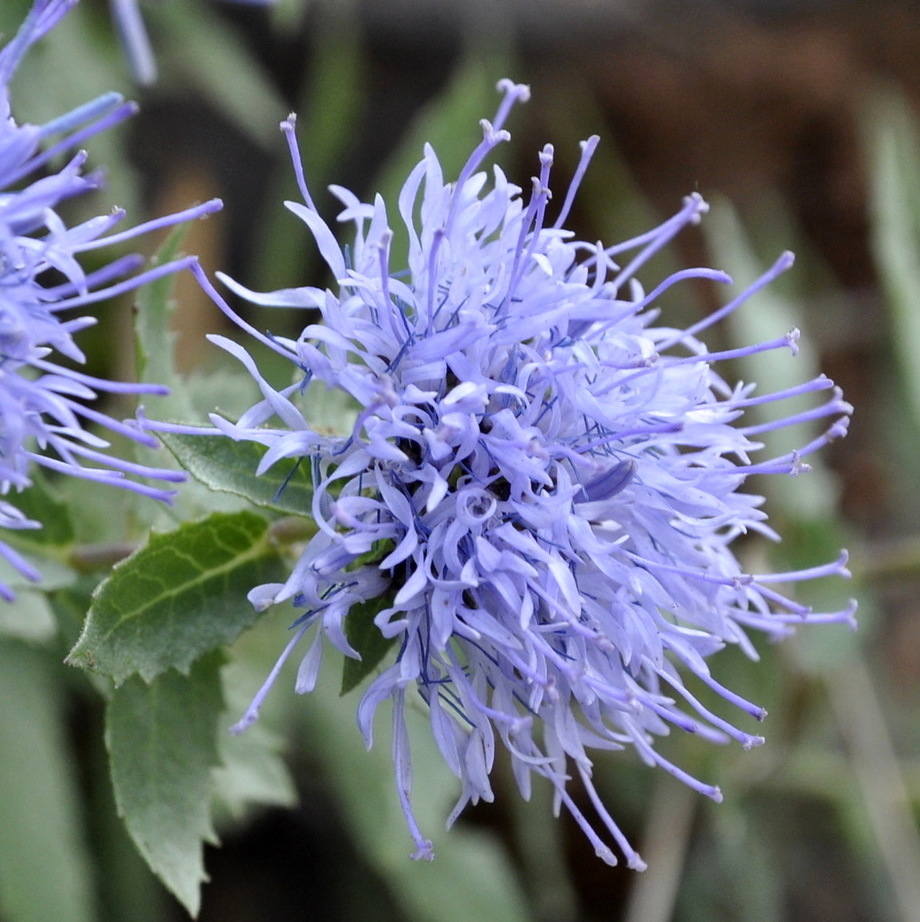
(49, 548)
(162, 742)
(470, 859)
(366, 638)
(39, 502)
(44, 863)
(29, 618)
(252, 770)
(180, 596)
(220, 69)
(154, 341)
(223, 464)
(893, 142)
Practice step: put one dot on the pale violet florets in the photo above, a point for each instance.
(540, 488)
(46, 405)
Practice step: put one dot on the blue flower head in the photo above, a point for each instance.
(540, 487)
(45, 403)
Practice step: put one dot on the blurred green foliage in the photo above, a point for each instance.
(825, 811)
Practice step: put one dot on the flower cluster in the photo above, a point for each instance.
(540, 489)
(45, 403)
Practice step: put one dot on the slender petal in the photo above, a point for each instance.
(44, 403)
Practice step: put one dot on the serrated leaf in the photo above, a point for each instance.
(252, 771)
(162, 747)
(178, 597)
(223, 464)
(366, 638)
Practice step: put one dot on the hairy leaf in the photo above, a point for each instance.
(178, 597)
(162, 746)
(222, 464)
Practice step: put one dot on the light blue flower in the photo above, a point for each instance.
(540, 489)
(45, 403)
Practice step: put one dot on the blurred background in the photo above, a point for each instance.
(797, 120)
